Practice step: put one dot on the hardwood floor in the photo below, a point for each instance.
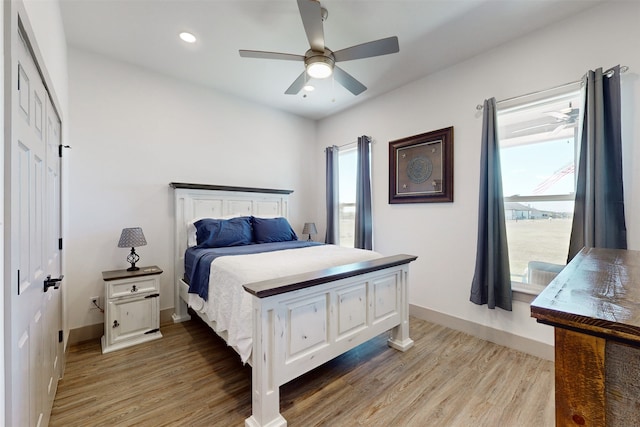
(190, 378)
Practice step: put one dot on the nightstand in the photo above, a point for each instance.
(132, 307)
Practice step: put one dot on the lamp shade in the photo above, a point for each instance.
(132, 238)
(309, 228)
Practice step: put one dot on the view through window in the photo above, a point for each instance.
(539, 152)
(347, 164)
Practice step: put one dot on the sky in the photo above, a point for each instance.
(525, 167)
(347, 176)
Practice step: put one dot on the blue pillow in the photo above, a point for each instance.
(219, 233)
(268, 230)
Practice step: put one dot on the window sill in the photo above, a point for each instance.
(525, 292)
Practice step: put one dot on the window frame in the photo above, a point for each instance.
(344, 150)
(528, 291)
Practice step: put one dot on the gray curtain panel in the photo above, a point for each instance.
(492, 278)
(363, 238)
(598, 216)
(332, 236)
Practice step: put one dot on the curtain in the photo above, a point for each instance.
(363, 238)
(332, 236)
(598, 215)
(492, 278)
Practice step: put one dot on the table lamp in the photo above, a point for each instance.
(309, 228)
(132, 238)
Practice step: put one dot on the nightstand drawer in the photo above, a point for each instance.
(129, 287)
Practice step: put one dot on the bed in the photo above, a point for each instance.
(298, 321)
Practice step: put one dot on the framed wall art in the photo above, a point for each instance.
(421, 168)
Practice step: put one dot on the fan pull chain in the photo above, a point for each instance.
(333, 88)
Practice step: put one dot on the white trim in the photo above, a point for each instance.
(525, 290)
(516, 342)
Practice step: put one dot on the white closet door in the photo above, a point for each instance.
(52, 305)
(34, 205)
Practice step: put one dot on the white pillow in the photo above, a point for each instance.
(191, 233)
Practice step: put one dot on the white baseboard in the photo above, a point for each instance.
(94, 332)
(507, 339)
(526, 345)
(85, 333)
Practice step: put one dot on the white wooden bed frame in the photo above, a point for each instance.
(302, 321)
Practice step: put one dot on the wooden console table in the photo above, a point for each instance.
(594, 306)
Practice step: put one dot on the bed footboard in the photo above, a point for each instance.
(298, 327)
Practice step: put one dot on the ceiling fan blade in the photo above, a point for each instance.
(532, 127)
(347, 80)
(270, 55)
(311, 14)
(297, 85)
(369, 49)
(556, 114)
(558, 129)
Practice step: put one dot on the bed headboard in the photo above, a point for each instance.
(217, 201)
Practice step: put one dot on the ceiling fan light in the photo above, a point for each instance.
(187, 37)
(319, 68)
(308, 88)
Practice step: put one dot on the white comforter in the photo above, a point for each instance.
(229, 305)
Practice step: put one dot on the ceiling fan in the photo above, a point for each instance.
(566, 117)
(320, 61)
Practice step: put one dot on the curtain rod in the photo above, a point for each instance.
(608, 73)
(348, 143)
(355, 142)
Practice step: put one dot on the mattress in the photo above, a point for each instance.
(197, 261)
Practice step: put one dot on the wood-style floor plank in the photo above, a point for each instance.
(191, 378)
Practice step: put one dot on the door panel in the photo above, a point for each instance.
(22, 202)
(20, 368)
(27, 182)
(51, 250)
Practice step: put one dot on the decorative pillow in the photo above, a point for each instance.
(267, 230)
(218, 233)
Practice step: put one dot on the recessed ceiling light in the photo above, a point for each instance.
(308, 88)
(188, 37)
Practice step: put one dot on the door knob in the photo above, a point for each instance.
(49, 282)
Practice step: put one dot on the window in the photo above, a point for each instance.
(347, 166)
(539, 150)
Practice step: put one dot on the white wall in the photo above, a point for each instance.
(46, 20)
(133, 132)
(444, 235)
(2, 334)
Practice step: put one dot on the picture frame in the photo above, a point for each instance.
(421, 168)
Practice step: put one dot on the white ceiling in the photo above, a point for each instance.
(433, 34)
